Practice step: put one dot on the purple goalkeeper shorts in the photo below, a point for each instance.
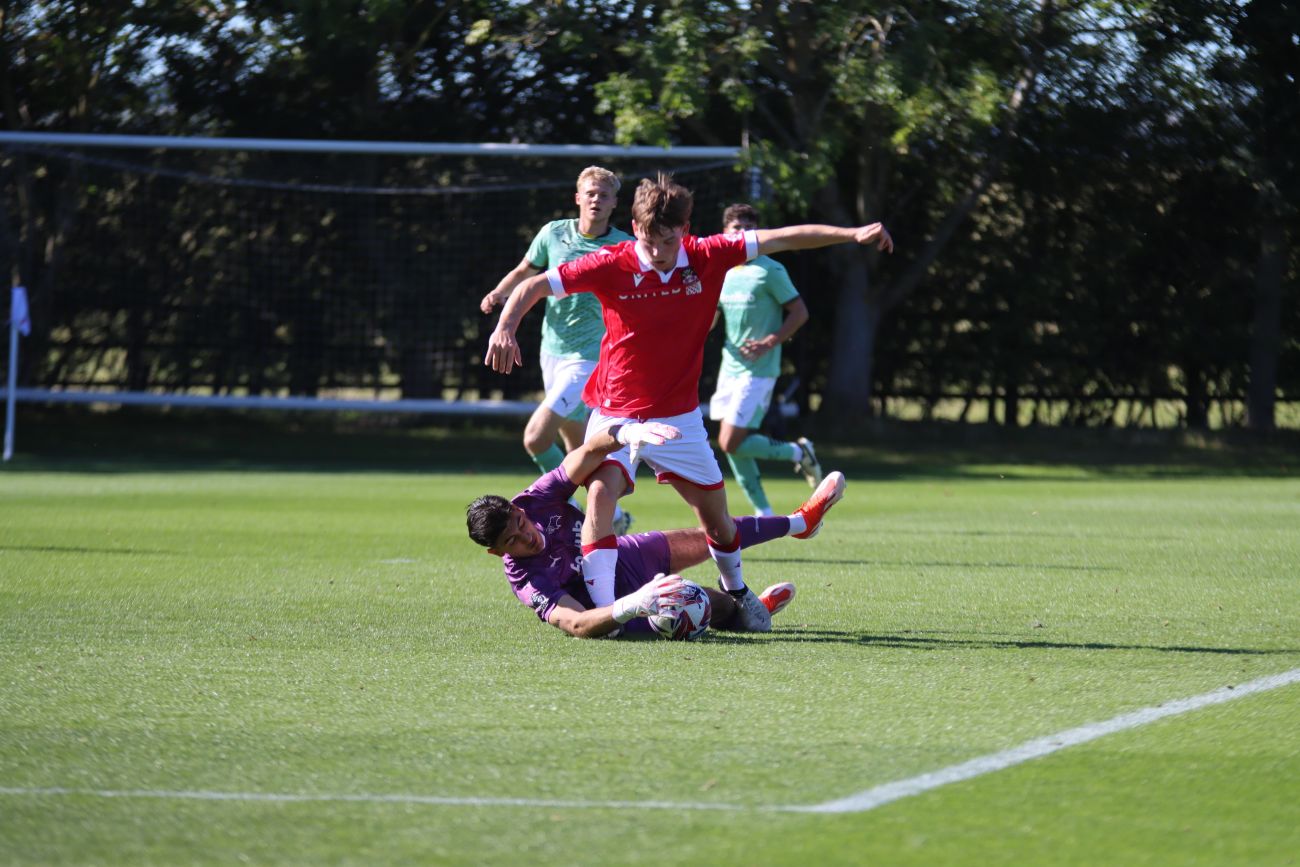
(640, 558)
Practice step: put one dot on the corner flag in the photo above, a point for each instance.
(18, 311)
(19, 323)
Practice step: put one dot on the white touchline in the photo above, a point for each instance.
(858, 803)
(889, 792)
(363, 798)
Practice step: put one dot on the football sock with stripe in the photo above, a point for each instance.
(746, 472)
(763, 448)
(599, 559)
(727, 557)
(549, 459)
(755, 531)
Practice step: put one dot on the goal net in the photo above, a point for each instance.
(292, 274)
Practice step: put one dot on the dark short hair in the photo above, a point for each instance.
(662, 203)
(739, 211)
(486, 519)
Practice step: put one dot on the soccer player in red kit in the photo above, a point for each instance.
(659, 294)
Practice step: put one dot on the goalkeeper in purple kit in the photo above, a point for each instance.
(537, 535)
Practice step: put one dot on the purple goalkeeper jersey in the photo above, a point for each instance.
(541, 580)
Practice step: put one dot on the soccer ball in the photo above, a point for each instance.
(686, 619)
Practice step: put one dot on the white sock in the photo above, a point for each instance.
(797, 524)
(728, 567)
(798, 452)
(598, 571)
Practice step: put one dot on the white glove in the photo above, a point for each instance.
(660, 595)
(637, 434)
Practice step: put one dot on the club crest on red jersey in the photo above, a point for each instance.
(691, 281)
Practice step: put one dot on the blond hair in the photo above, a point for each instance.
(600, 176)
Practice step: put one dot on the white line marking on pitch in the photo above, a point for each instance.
(889, 792)
(856, 803)
(436, 800)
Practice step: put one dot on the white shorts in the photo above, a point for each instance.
(690, 458)
(742, 400)
(564, 379)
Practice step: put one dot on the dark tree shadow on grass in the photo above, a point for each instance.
(857, 561)
(914, 641)
(72, 549)
(1027, 534)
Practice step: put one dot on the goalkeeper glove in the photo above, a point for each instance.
(661, 594)
(637, 434)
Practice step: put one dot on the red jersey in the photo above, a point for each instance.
(655, 323)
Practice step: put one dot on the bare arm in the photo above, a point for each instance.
(654, 597)
(503, 353)
(796, 314)
(579, 622)
(587, 458)
(583, 461)
(517, 275)
(812, 236)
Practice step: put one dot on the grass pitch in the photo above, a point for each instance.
(204, 662)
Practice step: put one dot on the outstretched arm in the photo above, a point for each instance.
(586, 458)
(651, 598)
(517, 275)
(503, 353)
(811, 236)
(569, 615)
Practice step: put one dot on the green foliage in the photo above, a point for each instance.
(795, 177)
(1047, 168)
(625, 97)
(678, 71)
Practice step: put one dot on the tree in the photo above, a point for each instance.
(839, 100)
(74, 67)
(1261, 78)
(1046, 168)
(321, 69)
(855, 113)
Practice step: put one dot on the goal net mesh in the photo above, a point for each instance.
(252, 273)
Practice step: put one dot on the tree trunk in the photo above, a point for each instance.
(1266, 337)
(1011, 403)
(1197, 399)
(857, 320)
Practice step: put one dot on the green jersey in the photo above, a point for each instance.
(753, 302)
(573, 326)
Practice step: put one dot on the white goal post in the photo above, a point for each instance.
(174, 262)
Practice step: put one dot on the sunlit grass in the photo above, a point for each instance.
(333, 633)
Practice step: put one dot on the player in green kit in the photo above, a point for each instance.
(762, 309)
(572, 327)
